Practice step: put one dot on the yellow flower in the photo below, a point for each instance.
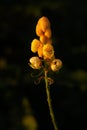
(56, 65)
(48, 51)
(35, 45)
(35, 62)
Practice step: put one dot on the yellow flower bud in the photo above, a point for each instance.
(44, 23)
(48, 51)
(35, 62)
(56, 65)
(35, 45)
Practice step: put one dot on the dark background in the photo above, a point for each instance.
(19, 96)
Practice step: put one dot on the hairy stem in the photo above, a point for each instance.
(49, 102)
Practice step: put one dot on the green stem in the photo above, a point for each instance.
(49, 102)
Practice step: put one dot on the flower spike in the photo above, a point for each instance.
(45, 60)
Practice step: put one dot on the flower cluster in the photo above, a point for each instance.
(44, 48)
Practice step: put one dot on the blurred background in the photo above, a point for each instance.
(23, 104)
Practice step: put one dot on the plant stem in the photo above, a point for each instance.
(49, 102)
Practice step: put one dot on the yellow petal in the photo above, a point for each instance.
(44, 39)
(48, 32)
(48, 51)
(44, 23)
(35, 45)
(39, 31)
(40, 50)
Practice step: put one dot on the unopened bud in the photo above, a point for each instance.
(35, 45)
(56, 64)
(44, 23)
(48, 51)
(35, 62)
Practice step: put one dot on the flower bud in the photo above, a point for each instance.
(35, 62)
(48, 51)
(56, 65)
(44, 23)
(35, 45)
